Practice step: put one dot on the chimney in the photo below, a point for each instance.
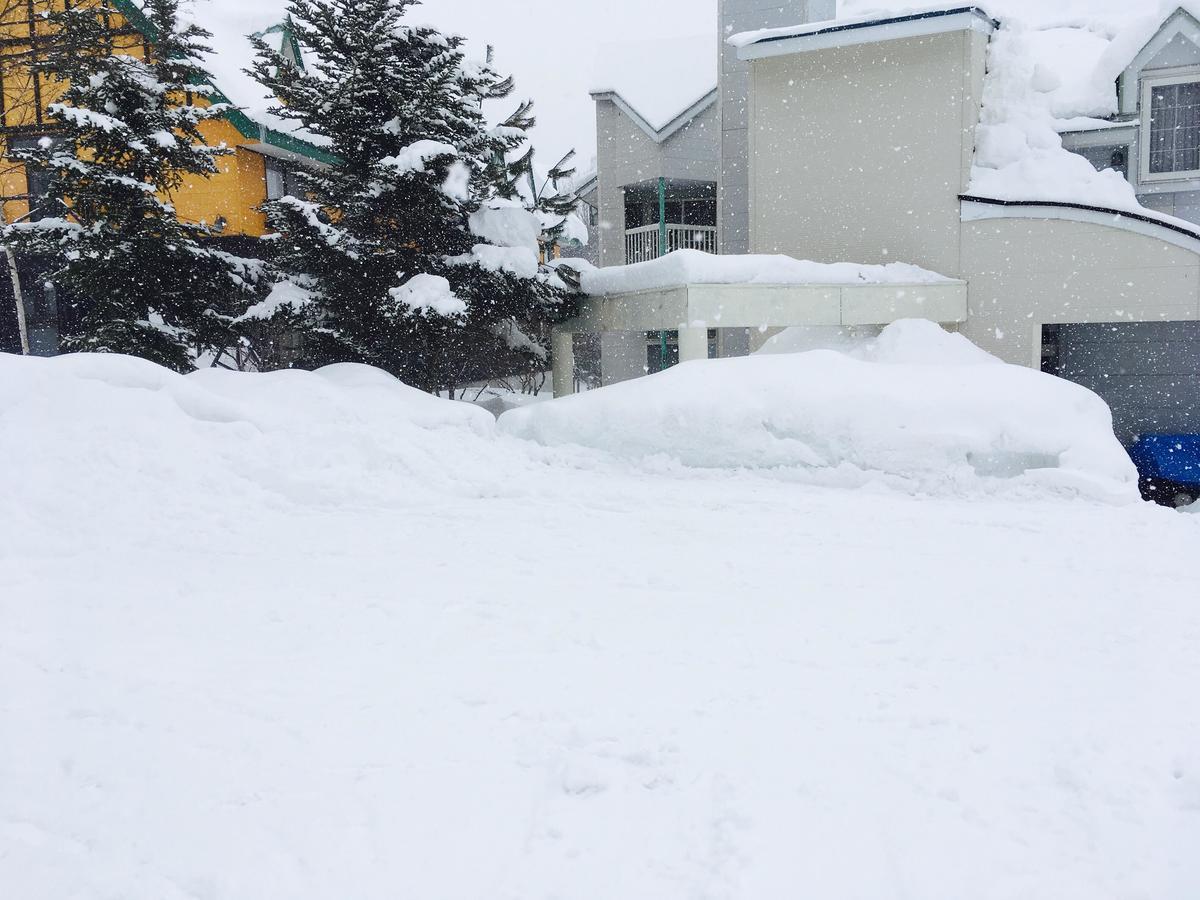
(736, 16)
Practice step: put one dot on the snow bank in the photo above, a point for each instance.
(910, 341)
(696, 267)
(917, 409)
(342, 434)
(314, 635)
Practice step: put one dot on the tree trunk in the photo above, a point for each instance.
(18, 299)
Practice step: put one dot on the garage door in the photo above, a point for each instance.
(1149, 372)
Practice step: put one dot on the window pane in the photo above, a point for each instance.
(1174, 143)
(276, 186)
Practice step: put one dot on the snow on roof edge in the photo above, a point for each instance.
(684, 267)
(809, 29)
(663, 129)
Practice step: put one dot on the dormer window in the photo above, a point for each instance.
(1171, 128)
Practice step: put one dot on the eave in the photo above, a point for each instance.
(658, 135)
(832, 35)
(245, 126)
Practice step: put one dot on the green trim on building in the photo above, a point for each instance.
(245, 126)
(137, 18)
(285, 28)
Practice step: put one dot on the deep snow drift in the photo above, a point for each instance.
(917, 408)
(317, 635)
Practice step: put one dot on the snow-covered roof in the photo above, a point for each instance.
(1052, 69)
(232, 23)
(929, 17)
(659, 81)
(684, 267)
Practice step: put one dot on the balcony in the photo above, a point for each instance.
(669, 214)
(642, 244)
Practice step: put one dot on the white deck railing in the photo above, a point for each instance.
(641, 244)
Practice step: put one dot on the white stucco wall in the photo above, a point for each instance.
(1025, 273)
(860, 153)
(734, 16)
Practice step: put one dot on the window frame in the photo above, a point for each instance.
(274, 165)
(1149, 83)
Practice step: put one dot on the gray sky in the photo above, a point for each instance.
(549, 47)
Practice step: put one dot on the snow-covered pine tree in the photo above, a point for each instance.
(142, 282)
(414, 249)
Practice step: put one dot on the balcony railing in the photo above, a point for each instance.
(641, 244)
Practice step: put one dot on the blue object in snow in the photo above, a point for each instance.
(1168, 457)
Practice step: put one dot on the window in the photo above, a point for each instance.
(1171, 128)
(281, 182)
(37, 178)
(1109, 157)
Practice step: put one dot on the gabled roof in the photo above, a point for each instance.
(586, 184)
(658, 135)
(661, 85)
(1138, 46)
(866, 29)
(232, 23)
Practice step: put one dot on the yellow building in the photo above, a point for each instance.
(255, 170)
(264, 153)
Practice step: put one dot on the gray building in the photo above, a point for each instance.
(872, 141)
(1159, 82)
(697, 157)
(643, 170)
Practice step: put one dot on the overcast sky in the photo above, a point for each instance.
(549, 47)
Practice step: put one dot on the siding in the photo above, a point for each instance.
(860, 153)
(1025, 273)
(737, 16)
(626, 155)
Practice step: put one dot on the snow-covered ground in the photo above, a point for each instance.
(315, 636)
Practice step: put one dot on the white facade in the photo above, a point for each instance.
(861, 144)
(862, 150)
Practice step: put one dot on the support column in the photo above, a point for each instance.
(662, 216)
(562, 360)
(693, 344)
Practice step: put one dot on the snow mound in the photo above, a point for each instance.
(909, 341)
(915, 410)
(111, 425)
(696, 267)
